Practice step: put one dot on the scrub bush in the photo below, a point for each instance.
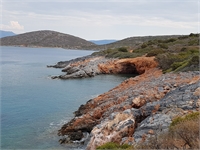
(115, 146)
(155, 52)
(183, 133)
(122, 49)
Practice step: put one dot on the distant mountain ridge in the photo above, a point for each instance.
(46, 38)
(102, 42)
(6, 33)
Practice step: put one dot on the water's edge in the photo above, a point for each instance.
(33, 106)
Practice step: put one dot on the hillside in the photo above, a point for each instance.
(173, 54)
(46, 38)
(131, 42)
(6, 33)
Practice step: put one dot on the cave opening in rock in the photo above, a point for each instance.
(128, 68)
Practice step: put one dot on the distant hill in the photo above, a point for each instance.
(102, 42)
(6, 33)
(46, 38)
(132, 42)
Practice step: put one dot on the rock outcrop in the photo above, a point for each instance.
(91, 66)
(135, 109)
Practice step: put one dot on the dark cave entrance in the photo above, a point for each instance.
(128, 68)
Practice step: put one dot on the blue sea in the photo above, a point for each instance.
(33, 106)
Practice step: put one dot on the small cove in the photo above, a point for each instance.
(33, 106)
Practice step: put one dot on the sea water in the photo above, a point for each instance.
(33, 106)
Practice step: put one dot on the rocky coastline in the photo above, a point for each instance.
(134, 110)
(90, 66)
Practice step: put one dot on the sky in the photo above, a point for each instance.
(101, 19)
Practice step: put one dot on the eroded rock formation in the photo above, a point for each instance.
(92, 66)
(128, 66)
(136, 108)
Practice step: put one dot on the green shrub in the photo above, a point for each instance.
(178, 120)
(183, 67)
(167, 40)
(175, 65)
(150, 42)
(183, 37)
(183, 49)
(112, 145)
(183, 134)
(186, 129)
(144, 45)
(109, 145)
(193, 42)
(160, 41)
(165, 60)
(170, 40)
(193, 35)
(181, 61)
(122, 49)
(192, 116)
(154, 52)
(164, 46)
(194, 60)
(125, 146)
(194, 51)
(190, 49)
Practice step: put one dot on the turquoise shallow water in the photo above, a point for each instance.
(33, 106)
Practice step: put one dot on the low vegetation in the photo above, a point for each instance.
(115, 146)
(185, 60)
(183, 133)
(172, 54)
(121, 52)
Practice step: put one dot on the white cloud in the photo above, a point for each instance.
(13, 26)
(85, 19)
(120, 19)
(157, 22)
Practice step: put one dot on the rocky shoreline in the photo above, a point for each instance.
(135, 109)
(90, 66)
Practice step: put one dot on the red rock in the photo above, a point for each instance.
(142, 87)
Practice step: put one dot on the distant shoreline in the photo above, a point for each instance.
(44, 47)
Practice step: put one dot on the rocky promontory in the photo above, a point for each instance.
(135, 109)
(94, 65)
(166, 87)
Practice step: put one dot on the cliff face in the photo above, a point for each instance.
(134, 109)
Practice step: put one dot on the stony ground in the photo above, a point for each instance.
(135, 109)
